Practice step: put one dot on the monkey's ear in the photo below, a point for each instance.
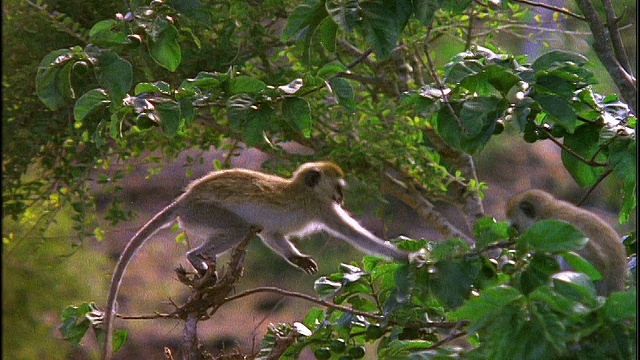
(312, 178)
(528, 209)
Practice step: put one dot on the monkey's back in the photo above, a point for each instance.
(604, 249)
(242, 186)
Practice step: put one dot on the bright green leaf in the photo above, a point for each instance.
(621, 306)
(488, 230)
(552, 236)
(245, 84)
(164, 48)
(578, 263)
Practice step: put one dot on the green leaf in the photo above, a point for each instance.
(345, 13)
(258, 121)
(555, 84)
(239, 108)
(482, 309)
(75, 323)
(53, 79)
(538, 272)
(331, 69)
(89, 103)
(164, 48)
(328, 31)
(303, 22)
(552, 236)
(621, 306)
(381, 22)
(170, 117)
(479, 117)
(424, 10)
(245, 84)
(560, 110)
(558, 57)
(476, 113)
(326, 288)
(158, 86)
(623, 160)
(578, 263)
(115, 74)
(344, 92)
(452, 281)
(119, 338)
(103, 34)
(575, 286)
(583, 141)
(487, 231)
(298, 111)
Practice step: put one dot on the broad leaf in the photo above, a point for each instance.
(115, 74)
(584, 141)
(164, 48)
(552, 236)
(89, 103)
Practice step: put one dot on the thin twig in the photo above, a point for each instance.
(552, 8)
(571, 151)
(438, 82)
(593, 187)
(305, 297)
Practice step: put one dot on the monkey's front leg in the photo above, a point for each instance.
(286, 249)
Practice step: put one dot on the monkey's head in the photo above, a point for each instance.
(527, 208)
(325, 179)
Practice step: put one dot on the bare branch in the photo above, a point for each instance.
(552, 8)
(616, 39)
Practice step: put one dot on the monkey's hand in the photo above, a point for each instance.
(305, 263)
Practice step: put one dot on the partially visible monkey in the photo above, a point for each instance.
(223, 207)
(604, 250)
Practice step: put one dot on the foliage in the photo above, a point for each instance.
(352, 81)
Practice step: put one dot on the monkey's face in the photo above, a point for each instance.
(325, 185)
(522, 212)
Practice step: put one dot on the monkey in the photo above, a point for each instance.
(224, 207)
(604, 250)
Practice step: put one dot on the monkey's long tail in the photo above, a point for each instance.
(156, 223)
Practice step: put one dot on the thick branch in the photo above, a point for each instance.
(422, 206)
(616, 39)
(625, 82)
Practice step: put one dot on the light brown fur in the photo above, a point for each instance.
(223, 207)
(604, 250)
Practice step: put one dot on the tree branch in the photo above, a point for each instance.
(616, 39)
(305, 297)
(625, 81)
(412, 197)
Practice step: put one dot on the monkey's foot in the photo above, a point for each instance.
(197, 280)
(305, 263)
(209, 278)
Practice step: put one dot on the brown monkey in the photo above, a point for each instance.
(604, 250)
(223, 207)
